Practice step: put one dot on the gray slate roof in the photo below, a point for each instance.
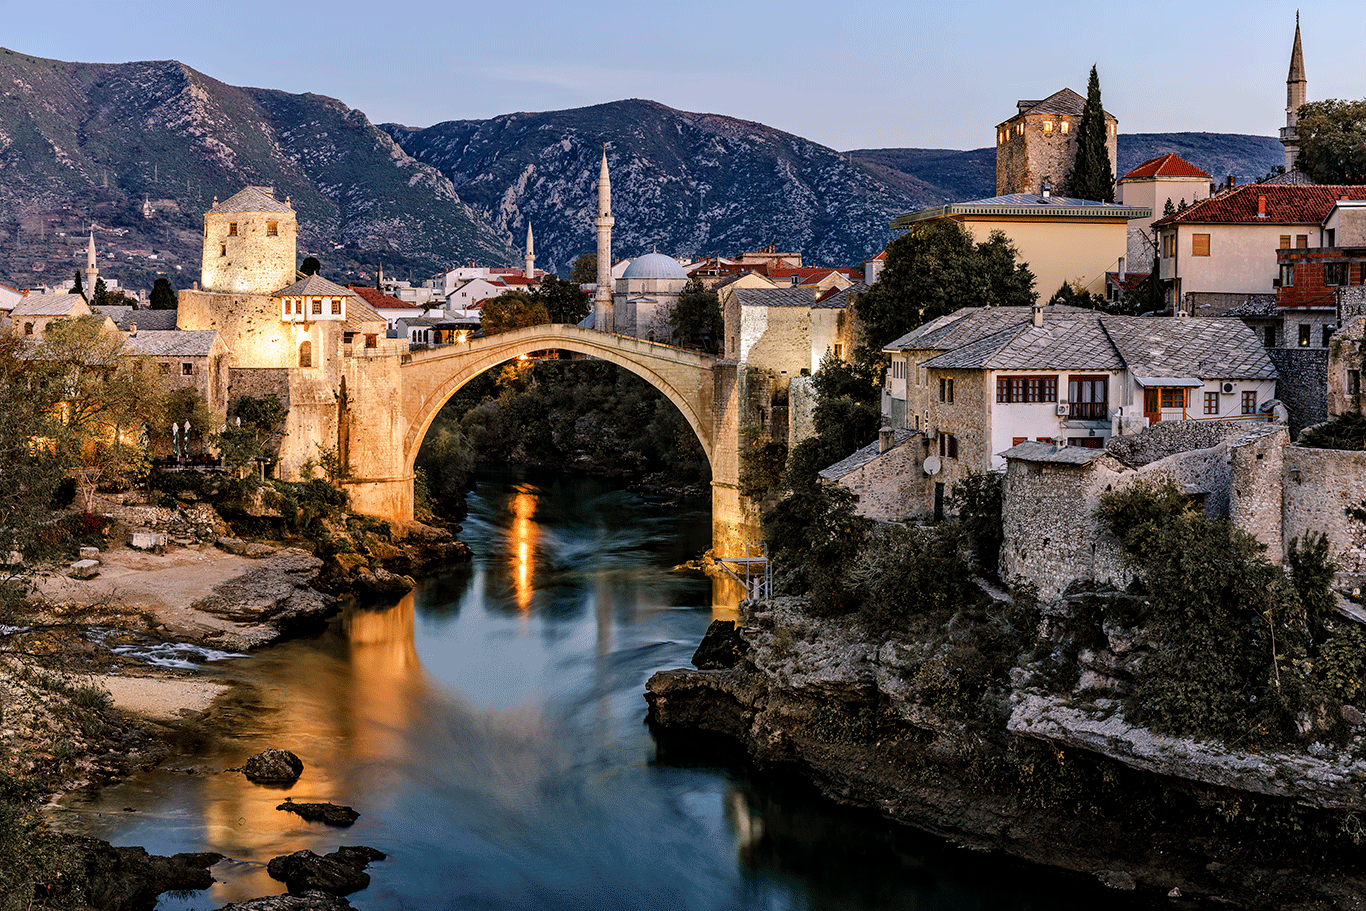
(1196, 347)
(251, 199)
(57, 303)
(865, 455)
(1026, 204)
(841, 299)
(171, 342)
(1043, 452)
(316, 285)
(1063, 101)
(775, 297)
(124, 317)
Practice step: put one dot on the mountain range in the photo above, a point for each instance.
(141, 150)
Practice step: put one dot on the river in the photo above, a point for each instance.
(489, 729)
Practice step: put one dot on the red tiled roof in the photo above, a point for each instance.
(1131, 279)
(1285, 204)
(807, 273)
(881, 256)
(379, 300)
(1166, 166)
(516, 280)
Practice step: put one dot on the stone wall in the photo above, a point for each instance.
(801, 410)
(893, 486)
(1167, 438)
(258, 383)
(1302, 385)
(1319, 484)
(1030, 157)
(1218, 303)
(1345, 354)
(1255, 486)
(1351, 302)
(249, 260)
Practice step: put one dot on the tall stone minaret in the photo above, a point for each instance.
(603, 302)
(530, 269)
(92, 271)
(1295, 89)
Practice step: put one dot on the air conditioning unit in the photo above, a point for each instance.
(1227, 388)
(1062, 409)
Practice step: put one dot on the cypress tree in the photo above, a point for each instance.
(1092, 177)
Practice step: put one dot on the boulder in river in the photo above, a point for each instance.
(127, 878)
(339, 873)
(329, 813)
(273, 767)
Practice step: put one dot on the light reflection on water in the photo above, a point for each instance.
(488, 729)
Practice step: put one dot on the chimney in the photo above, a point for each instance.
(1232, 181)
(1261, 207)
(132, 330)
(1038, 316)
(1046, 191)
(1121, 268)
(885, 439)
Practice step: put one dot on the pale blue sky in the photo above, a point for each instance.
(853, 74)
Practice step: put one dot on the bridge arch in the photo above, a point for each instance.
(684, 377)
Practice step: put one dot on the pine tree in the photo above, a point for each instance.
(1169, 208)
(100, 296)
(1092, 177)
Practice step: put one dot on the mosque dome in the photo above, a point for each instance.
(654, 265)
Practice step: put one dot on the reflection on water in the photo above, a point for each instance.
(488, 729)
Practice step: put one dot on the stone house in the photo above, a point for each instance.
(197, 360)
(32, 315)
(1060, 239)
(1038, 145)
(982, 380)
(888, 476)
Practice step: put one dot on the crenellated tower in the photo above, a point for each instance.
(1296, 89)
(602, 318)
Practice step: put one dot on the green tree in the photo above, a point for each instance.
(253, 430)
(512, 310)
(585, 269)
(1333, 141)
(932, 270)
(77, 288)
(1069, 295)
(564, 301)
(1092, 177)
(1169, 208)
(100, 297)
(696, 319)
(163, 296)
(29, 474)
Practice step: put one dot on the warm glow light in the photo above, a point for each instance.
(521, 357)
(523, 533)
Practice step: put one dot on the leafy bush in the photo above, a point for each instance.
(977, 502)
(1345, 431)
(912, 572)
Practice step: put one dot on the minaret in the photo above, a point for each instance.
(530, 269)
(1295, 89)
(92, 271)
(603, 302)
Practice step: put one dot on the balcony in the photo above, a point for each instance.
(1088, 411)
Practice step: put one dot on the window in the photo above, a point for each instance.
(1088, 397)
(28, 328)
(305, 354)
(1332, 236)
(1327, 335)
(1027, 389)
(1288, 275)
(839, 356)
(1173, 397)
(1087, 442)
(946, 390)
(371, 340)
(1285, 242)
(1305, 329)
(164, 369)
(1048, 126)
(272, 229)
(948, 446)
(317, 307)
(1354, 382)
(1211, 403)
(1249, 403)
(336, 306)
(1200, 245)
(1269, 336)
(1335, 274)
(1049, 440)
(232, 229)
(1301, 241)
(186, 368)
(1168, 245)
(1064, 127)
(222, 249)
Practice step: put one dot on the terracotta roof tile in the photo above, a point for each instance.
(379, 300)
(1168, 165)
(1295, 204)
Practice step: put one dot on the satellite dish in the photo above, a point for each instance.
(932, 465)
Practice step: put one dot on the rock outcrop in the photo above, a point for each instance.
(339, 873)
(273, 767)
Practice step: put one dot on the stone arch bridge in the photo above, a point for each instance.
(392, 398)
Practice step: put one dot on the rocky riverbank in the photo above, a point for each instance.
(96, 673)
(1054, 781)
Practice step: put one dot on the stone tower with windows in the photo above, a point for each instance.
(1037, 147)
(249, 244)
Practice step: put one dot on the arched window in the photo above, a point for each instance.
(306, 354)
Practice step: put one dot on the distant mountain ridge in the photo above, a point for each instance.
(937, 176)
(142, 149)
